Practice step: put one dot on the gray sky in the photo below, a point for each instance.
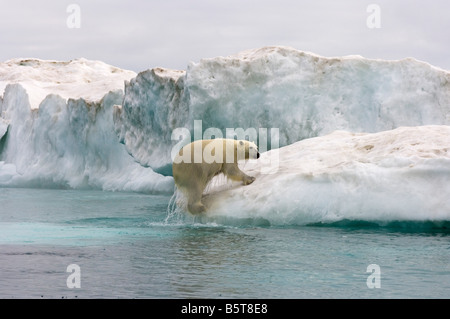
(138, 34)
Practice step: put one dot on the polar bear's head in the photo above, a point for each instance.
(247, 150)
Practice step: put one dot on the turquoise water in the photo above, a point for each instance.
(125, 248)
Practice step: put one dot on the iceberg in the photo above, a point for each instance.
(302, 94)
(69, 140)
(358, 138)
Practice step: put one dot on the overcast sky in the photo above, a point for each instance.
(142, 34)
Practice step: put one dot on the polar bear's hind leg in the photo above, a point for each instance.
(195, 205)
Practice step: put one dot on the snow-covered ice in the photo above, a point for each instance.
(401, 174)
(78, 78)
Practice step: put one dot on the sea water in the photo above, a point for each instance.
(125, 246)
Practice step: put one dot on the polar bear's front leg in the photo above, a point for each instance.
(233, 172)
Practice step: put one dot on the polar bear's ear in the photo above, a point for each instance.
(241, 143)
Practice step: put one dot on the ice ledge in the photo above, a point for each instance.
(79, 78)
(286, 51)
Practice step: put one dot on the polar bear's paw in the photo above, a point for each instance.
(196, 208)
(248, 180)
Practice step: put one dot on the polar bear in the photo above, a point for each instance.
(198, 162)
